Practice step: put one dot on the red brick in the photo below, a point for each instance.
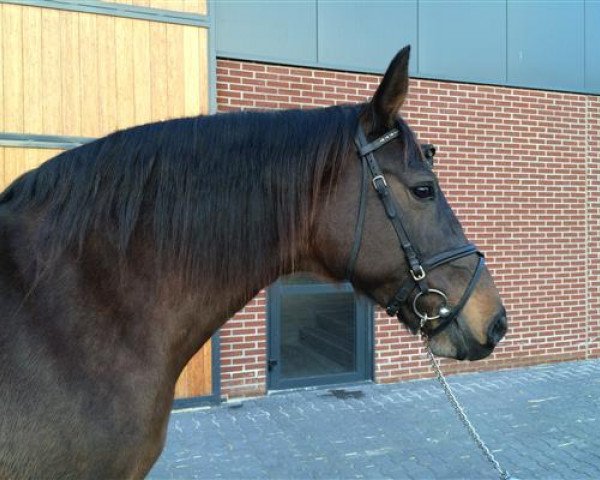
(521, 169)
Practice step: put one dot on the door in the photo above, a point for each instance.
(319, 334)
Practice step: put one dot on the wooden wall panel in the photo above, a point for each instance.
(2, 42)
(90, 110)
(12, 51)
(141, 72)
(196, 378)
(175, 99)
(107, 74)
(70, 58)
(124, 68)
(50, 96)
(188, 6)
(32, 68)
(81, 74)
(158, 71)
(16, 161)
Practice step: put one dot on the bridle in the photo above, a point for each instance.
(418, 268)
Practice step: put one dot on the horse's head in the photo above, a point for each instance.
(387, 226)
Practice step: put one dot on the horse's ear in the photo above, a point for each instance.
(391, 92)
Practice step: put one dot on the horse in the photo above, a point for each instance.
(120, 258)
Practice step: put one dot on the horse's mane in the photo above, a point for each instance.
(219, 193)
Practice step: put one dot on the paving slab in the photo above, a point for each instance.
(541, 422)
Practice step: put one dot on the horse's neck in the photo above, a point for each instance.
(176, 316)
(96, 311)
(156, 312)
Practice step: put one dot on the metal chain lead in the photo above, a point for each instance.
(461, 413)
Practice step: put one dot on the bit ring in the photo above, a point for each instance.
(423, 316)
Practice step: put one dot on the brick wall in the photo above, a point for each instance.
(521, 169)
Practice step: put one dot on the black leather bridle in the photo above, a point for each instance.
(418, 268)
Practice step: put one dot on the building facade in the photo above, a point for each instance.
(507, 90)
(519, 167)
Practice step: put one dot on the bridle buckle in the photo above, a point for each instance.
(376, 178)
(419, 274)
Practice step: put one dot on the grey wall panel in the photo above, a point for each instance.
(463, 39)
(546, 44)
(592, 46)
(269, 29)
(366, 34)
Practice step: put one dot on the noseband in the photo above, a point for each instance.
(418, 268)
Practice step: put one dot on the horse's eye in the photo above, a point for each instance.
(423, 191)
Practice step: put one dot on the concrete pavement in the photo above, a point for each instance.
(541, 423)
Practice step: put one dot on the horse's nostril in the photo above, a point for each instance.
(497, 329)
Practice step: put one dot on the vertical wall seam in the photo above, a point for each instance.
(212, 56)
(506, 42)
(80, 73)
(418, 66)
(588, 221)
(583, 34)
(60, 69)
(317, 31)
(22, 103)
(2, 72)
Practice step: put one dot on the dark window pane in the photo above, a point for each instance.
(318, 334)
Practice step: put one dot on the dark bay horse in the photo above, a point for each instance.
(119, 259)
